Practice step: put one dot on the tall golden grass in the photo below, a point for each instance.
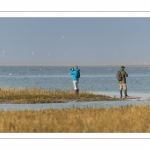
(126, 119)
(37, 95)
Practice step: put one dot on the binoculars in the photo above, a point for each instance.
(72, 68)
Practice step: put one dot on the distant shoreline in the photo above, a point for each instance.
(75, 63)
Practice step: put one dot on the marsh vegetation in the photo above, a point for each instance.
(126, 119)
(37, 95)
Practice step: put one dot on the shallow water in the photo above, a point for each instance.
(98, 80)
(105, 104)
(132, 95)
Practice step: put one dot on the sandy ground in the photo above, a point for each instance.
(132, 96)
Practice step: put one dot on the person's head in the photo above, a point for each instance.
(75, 67)
(122, 67)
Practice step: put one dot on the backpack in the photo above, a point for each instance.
(119, 76)
(78, 74)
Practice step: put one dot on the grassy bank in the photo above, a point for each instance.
(37, 95)
(127, 119)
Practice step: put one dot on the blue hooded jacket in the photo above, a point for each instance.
(74, 74)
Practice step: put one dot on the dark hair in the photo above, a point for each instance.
(122, 67)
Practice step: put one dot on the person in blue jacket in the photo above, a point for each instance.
(75, 78)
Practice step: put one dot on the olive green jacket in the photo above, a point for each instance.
(124, 75)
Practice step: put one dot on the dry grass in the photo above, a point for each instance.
(37, 95)
(127, 119)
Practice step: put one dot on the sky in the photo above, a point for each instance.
(70, 39)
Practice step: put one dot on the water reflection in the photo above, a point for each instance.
(106, 104)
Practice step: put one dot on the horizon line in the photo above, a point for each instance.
(74, 63)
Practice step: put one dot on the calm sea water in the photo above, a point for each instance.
(100, 80)
(94, 79)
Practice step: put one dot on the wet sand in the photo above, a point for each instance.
(132, 96)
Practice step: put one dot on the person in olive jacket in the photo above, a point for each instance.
(122, 83)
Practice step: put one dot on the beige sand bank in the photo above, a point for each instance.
(75, 63)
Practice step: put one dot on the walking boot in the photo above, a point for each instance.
(77, 91)
(120, 93)
(125, 93)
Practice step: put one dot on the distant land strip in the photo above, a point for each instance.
(75, 63)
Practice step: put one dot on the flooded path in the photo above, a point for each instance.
(105, 104)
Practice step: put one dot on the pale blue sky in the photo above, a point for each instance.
(74, 39)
